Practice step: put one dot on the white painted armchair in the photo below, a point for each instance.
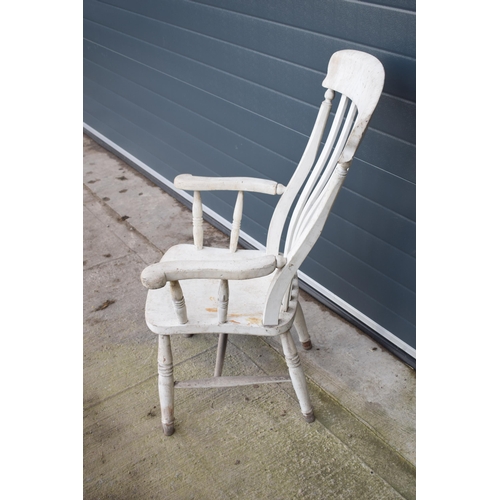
(257, 291)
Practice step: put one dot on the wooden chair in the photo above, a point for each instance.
(263, 285)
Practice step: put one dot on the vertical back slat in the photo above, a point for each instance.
(315, 174)
(304, 167)
(309, 212)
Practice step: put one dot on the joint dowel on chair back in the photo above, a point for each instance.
(197, 221)
(329, 95)
(237, 215)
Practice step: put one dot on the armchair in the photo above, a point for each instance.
(257, 291)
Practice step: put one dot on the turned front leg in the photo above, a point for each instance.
(166, 384)
(297, 376)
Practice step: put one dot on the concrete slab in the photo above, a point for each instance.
(248, 442)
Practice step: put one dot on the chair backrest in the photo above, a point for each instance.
(359, 78)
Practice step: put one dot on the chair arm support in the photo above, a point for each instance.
(157, 275)
(190, 182)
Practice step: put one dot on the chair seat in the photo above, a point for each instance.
(246, 300)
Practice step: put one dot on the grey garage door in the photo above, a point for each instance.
(232, 87)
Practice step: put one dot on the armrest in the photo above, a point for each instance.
(196, 183)
(157, 275)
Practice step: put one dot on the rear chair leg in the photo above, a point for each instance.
(166, 384)
(301, 327)
(221, 352)
(297, 376)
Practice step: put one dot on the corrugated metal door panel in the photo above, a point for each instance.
(269, 134)
(346, 19)
(219, 87)
(366, 247)
(263, 66)
(383, 188)
(363, 277)
(393, 155)
(258, 99)
(372, 307)
(409, 5)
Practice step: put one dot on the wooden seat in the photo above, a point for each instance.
(197, 290)
(244, 312)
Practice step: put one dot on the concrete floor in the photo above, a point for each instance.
(247, 442)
